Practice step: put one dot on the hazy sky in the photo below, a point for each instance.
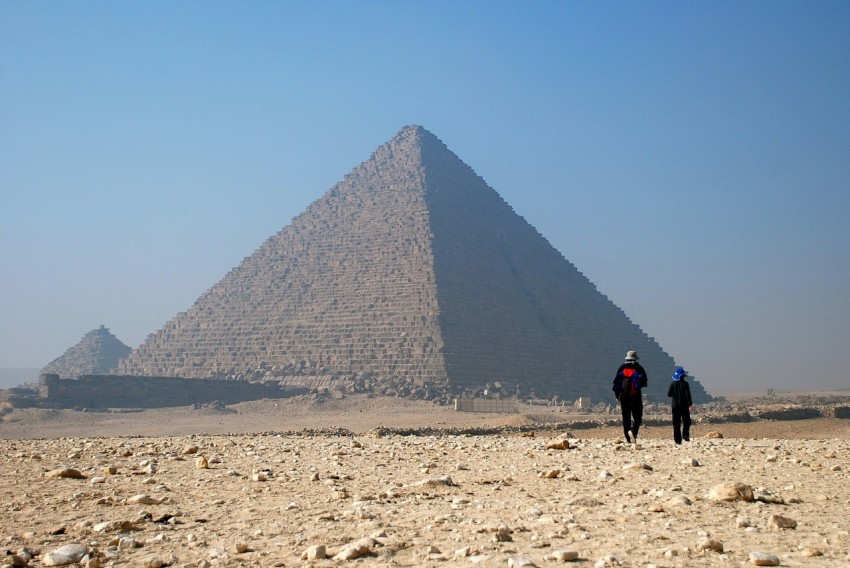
(691, 158)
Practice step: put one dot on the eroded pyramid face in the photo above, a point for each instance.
(97, 353)
(410, 267)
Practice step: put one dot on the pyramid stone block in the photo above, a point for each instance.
(410, 267)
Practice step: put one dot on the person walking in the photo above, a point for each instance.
(680, 392)
(628, 382)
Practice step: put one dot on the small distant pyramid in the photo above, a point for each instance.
(97, 353)
(412, 267)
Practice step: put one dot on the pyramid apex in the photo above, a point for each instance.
(411, 128)
(101, 331)
(414, 138)
(412, 131)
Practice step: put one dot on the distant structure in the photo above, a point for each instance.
(97, 353)
(111, 391)
(411, 268)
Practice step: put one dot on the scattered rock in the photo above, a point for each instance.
(562, 556)
(504, 500)
(315, 552)
(710, 545)
(143, 499)
(763, 559)
(519, 561)
(731, 491)
(66, 473)
(679, 501)
(778, 522)
(14, 560)
(112, 526)
(444, 480)
(356, 549)
(64, 555)
(240, 547)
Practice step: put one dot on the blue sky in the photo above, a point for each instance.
(692, 159)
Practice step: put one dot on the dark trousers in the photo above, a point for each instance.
(632, 408)
(681, 424)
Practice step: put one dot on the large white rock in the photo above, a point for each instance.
(356, 549)
(64, 555)
(763, 559)
(143, 499)
(315, 552)
(520, 561)
(563, 555)
(731, 491)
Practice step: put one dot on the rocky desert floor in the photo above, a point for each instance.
(388, 482)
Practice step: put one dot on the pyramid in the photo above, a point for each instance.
(411, 266)
(97, 353)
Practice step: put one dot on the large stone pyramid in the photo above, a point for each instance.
(412, 267)
(97, 353)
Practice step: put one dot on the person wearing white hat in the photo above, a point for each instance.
(630, 378)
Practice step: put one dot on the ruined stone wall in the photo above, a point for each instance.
(115, 391)
(485, 405)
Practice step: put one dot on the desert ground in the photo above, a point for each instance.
(388, 482)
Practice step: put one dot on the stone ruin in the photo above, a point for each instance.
(410, 275)
(97, 353)
(115, 391)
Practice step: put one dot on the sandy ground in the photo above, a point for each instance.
(360, 414)
(296, 483)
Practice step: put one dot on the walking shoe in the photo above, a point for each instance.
(630, 437)
(633, 435)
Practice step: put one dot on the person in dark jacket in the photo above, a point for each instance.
(630, 378)
(680, 392)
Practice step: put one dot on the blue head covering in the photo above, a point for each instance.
(679, 374)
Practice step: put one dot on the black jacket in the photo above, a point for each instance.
(680, 392)
(637, 370)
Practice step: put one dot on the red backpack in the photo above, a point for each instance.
(629, 385)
